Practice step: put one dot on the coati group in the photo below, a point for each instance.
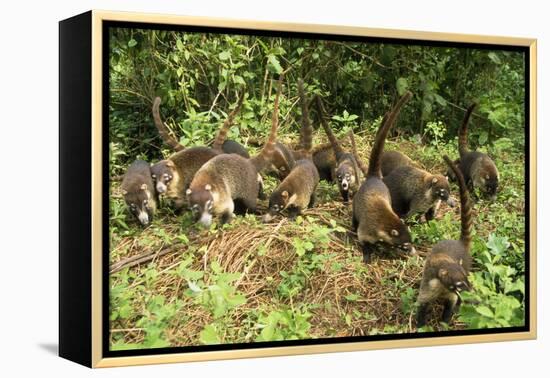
(223, 180)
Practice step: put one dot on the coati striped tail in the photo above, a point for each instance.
(222, 133)
(378, 147)
(463, 131)
(306, 131)
(261, 160)
(465, 205)
(362, 166)
(338, 151)
(164, 132)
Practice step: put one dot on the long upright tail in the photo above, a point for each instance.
(164, 132)
(465, 205)
(338, 151)
(261, 160)
(306, 131)
(362, 166)
(378, 147)
(222, 133)
(463, 131)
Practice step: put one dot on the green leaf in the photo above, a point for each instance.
(179, 45)
(483, 137)
(352, 297)
(402, 85)
(485, 311)
(209, 335)
(273, 64)
(132, 42)
(224, 55)
(238, 80)
(494, 57)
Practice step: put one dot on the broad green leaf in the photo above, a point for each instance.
(132, 42)
(485, 311)
(209, 335)
(274, 64)
(402, 85)
(224, 55)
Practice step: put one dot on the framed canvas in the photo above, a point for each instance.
(214, 206)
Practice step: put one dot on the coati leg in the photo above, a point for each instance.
(430, 214)
(312, 200)
(261, 193)
(345, 195)
(449, 308)
(421, 315)
(293, 212)
(366, 248)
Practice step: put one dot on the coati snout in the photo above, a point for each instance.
(201, 203)
(138, 203)
(163, 174)
(345, 174)
(277, 203)
(454, 278)
(399, 236)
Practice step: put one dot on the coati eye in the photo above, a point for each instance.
(154, 176)
(145, 202)
(282, 169)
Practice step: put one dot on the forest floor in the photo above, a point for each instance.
(177, 284)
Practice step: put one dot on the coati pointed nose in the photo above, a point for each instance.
(161, 188)
(345, 184)
(143, 218)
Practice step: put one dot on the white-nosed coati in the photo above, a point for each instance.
(478, 168)
(297, 191)
(346, 171)
(139, 191)
(229, 182)
(414, 191)
(173, 175)
(394, 159)
(449, 262)
(373, 217)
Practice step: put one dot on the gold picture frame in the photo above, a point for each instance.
(78, 256)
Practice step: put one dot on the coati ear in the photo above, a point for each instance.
(487, 177)
(460, 262)
(124, 192)
(442, 273)
(208, 187)
(394, 233)
(284, 194)
(434, 180)
(170, 163)
(188, 192)
(143, 186)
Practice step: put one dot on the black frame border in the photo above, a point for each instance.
(107, 353)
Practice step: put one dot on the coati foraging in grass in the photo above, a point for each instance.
(346, 171)
(282, 160)
(139, 192)
(297, 191)
(373, 217)
(415, 191)
(220, 143)
(448, 263)
(173, 175)
(394, 159)
(229, 182)
(478, 168)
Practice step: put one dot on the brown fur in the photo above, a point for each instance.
(373, 217)
(222, 133)
(346, 171)
(163, 130)
(394, 159)
(478, 168)
(449, 262)
(230, 183)
(416, 191)
(139, 192)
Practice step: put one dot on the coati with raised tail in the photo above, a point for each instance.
(297, 191)
(415, 191)
(394, 159)
(139, 191)
(229, 182)
(172, 176)
(478, 168)
(220, 143)
(373, 217)
(346, 171)
(449, 262)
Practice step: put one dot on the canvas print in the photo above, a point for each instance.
(273, 188)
